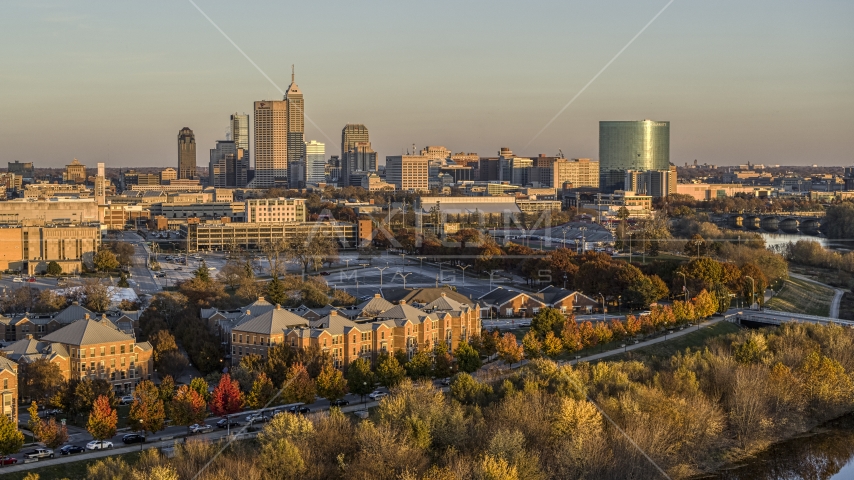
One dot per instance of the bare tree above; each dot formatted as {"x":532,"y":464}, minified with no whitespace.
{"x":276,"y":252}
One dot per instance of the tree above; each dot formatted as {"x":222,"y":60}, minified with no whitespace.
{"x":571,"y":335}
{"x":201,"y":387}
{"x":705,"y":304}
{"x":103,"y":419}
{"x":547,"y":320}
{"x":123,"y":281}
{"x":147,"y":412}
{"x":187,"y":407}
{"x":442,"y":361}
{"x":331,"y":384}
{"x":52,"y":434}
{"x":552,"y":345}
{"x":262,"y":392}
{"x":684,"y":312}
{"x":276,"y":293}
{"x":35,"y":423}
{"x":202,"y":273}
{"x":509,"y":349}
{"x":419,"y":367}
{"x":162,"y":341}
{"x":39,"y":379}
{"x":231,"y":273}
{"x":360,"y":379}
{"x":298,"y":387}
{"x":97,"y":297}
{"x":632,"y":325}
{"x":466,"y":390}
{"x":50,"y":301}
{"x":722,"y":297}
{"x":172,"y":363}
{"x":389,"y":371}
{"x":468,"y":359}
{"x":11,"y":440}
{"x":54,"y":269}
{"x":226,"y":398}
{"x":105,"y":260}
{"x":532,"y":345}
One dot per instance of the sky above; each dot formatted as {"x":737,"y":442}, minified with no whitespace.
{"x":104,"y":81}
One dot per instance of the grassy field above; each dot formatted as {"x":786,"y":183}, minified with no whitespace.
{"x":846,"y":306}
{"x":694,"y":340}
{"x":800,"y":296}
{"x":73,"y":470}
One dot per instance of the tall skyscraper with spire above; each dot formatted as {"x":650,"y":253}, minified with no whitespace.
{"x":279,"y":137}
{"x":296,"y":123}
{"x":186,"y":154}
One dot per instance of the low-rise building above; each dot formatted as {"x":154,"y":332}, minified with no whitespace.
{"x":275,"y":210}
{"x":31,"y":249}
{"x":209,"y":236}
{"x":9,"y":389}
{"x":44,"y":212}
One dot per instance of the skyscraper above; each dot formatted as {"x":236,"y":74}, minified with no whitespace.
{"x":631,"y":145}
{"x":296,"y":123}
{"x":226,"y":165}
{"x":186,"y":154}
{"x":271,"y":142}
{"x":409,"y":173}
{"x":239,"y":128}
{"x":101,"y":185}
{"x":315,"y":162}
{"x":352,"y":133}
{"x":356,"y":153}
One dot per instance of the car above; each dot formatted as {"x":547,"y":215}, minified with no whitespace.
{"x":71,"y":449}
{"x":257,"y":418}
{"x":324,"y":273}
{"x":200,"y":428}
{"x":446,"y":382}
{"x":53,"y":412}
{"x":376,"y":395}
{"x":339,"y":403}
{"x":126,"y":400}
{"x":299,"y":409}
{"x":18,"y":280}
{"x":31,"y":279}
{"x":39,"y":453}
{"x":226,"y":423}
{"x":99,"y":445}
{"x":133,"y":438}
{"x":7,"y":460}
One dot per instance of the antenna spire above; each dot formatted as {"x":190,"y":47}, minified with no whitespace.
{"x":292,"y":73}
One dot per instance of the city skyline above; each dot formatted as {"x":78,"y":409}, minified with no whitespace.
{"x":739,"y":83}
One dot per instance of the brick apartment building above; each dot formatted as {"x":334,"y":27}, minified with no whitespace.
{"x":9,"y":389}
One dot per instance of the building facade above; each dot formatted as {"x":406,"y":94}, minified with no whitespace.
{"x":275,"y":210}
{"x":575,"y":173}
{"x":9,"y":389}
{"x":408,"y":173}
{"x":228,"y":165}
{"x":31,"y":249}
{"x":655,"y":183}
{"x":216,"y":236}
{"x":75,"y":172}
{"x":271,"y":142}
{"x":296,"y":123}
{"x":315,"y":162}
{"x":631,"y":145}
{"x":186,"y":154}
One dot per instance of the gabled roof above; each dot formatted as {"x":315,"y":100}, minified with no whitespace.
{"x":500,"y":295}
{"x":372,"y":306}
{"x":552,"y":294}
{"x":87,"y":332}
{"x":258,"y":307}
{"x":272,"y":322}
{"x":446,"y":304}
{"x":403,"y":312}
{"x":334,"y":324}
{"x":73,"y":313}
{"x":6,"y":364}
{"x":423,"y":295}
{"x":31,"y":349}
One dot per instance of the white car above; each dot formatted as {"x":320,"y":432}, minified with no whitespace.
{"x":126,"y":400}
{"x":18,"y":280}
{"x":376,"y":395}
{"x":99,"y":445}
{"x":200,"y":428}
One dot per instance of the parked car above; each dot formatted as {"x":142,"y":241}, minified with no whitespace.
{"x":18,"y":280}
{"x":226,"y":423}
{"x":71,"y":449}
{"x":126,"y":400}
{"x":257,"y":418}
{"x":7,"y":460}
{"x":99,"y":445}
{"x":299,"y":409}
{"x":339,"y":403}
{"x":133,"y":438}
{"x":39,"y":453}
{"x":376,"y":395}
{"x":31,"y":279}
{"x":324,"y":273}
{"x":200,"y":428}
{"x":446,"y":381}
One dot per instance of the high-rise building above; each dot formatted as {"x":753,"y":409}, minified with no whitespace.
{"x":168,"y":174}
{"x":848,"y":178}
{"x":436,"y":153}
{"x":350,"y":135}
{"x":631,"y":145}
{"x":227,"y":169}
{"x":75,"y":172}
{"x":655,"y":183}
{"x":575,"y":173}
{"x":360,"y":158}
{"x":296,"y":123}
{"x":409,"y":173}
{"x":239,"y":129}
{"x":24,"y":169}
{"x":271,"y":142}
{"x":186,"y":154}
{"x":315,"y":162}
{"x":100,"y":185}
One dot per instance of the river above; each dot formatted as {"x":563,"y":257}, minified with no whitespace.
{"x":827,"y":454}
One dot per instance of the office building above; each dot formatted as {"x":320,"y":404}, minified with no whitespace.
{"x":296,"y":174}
{"x":239,"y":130}
{"x":209,"y":236}
{"x":186,"y":154}
{"x":296,"y":123}
{"x":43,"y":212}
{"x":271,"y":142}
{"x":631,"y":145}
{"x":31,"y":249}
{"x":75,"y":172}
{"x":351,"y":134}
{"x":436,"y":153}
{"x":315,"y":162}
{"x":23,"y":169}
{"x":359,"y":161}
{"x":575,"y":173}
{"x":408,"y":173}
{"x":168,"y":174}
{"x":275,"y":210}
{"x":848,"y":178}
{"x":655,"y":183}
{"x":228,"y":165}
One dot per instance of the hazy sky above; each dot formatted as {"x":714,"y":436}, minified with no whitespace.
{"x":114,"y":81}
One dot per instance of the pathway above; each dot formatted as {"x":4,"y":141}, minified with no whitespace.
{"x":837,"y":297}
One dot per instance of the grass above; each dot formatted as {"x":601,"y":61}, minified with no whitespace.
{"x":800,"y":296}
{"x":693,"y":340}
{"x":72,"y":470}
{"x":846,"y":306}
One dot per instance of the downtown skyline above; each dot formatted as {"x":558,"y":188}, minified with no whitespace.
{"x":759,"y":83}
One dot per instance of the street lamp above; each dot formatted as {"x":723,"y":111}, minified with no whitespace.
{"x":364,"y":406}
{"x":422,"y":261}
{"x":403,"y":256}
{"x":752,"y":291}
{"x":143,"y":434}
{"x":404,"y":275}
{"x":347,"y":261}
{"x":381,"y":269}
{"x":463,"y":268}
{"x":684,"y":285}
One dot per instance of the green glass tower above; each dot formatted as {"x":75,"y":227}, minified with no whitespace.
{"x":631,"y":145}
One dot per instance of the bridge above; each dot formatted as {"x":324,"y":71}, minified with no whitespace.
{"x":793,"y":222}
{"x":774,"y":317}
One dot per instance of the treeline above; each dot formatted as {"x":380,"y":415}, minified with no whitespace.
{"x":688,"y":413}
{"x":811,"y":253}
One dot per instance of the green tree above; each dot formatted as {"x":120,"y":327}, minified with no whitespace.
{"x":722,"y":297}
{"x":147,"y":412}
{"x":201,"y":387}
{"x":331,"y":384}
{"x":262,"y":392}
{"x":468,"y":359}
{"x":187,"y":407}
{"x":105,"y":260}
{"x":54,"y":269}
{"x":360,"y":379}
{"x":547,"y":320}
{"x":442,"y":361}
{"x":466,"y":390}
{"x":532,"y":345}
{"x":389,"y":371}
{"x":202,"y":273}
{"x":419,"y":367}
{"x":123,"y":281}
{"x":11,"y":440}
{"x":103,"y":419}
{"x":276,"y":293}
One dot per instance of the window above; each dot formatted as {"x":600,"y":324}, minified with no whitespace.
{"x":112,"y":350}
{"x":122,"y":349}
{"x":91,"y":352}
{"x":233,"y":337}
{"x":123,"y":361}
{"x":113,"y":363}
{"x":103,"y":351}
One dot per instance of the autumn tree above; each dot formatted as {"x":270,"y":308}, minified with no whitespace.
{"x":552,"y":345}
{"x":262,"y":392}
{"x":509,"y":350}
{"x":226,"y":398}
{"x":705,"y":304}
{"x":147,"y":412}
{"x":468,"y":359}
{"x":188,"y":407}
{"x":39,"y":379}
{"x":532,"y":345}
{"x":105,"y":260}
{"x":571,"y":335}
{"x":331,"y":384}
{"x":11,"y":439}
{"x":442,"y":361}
{"x":200,"y":385}
{"x":103,"y":419}
{"x":298,"y":386}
